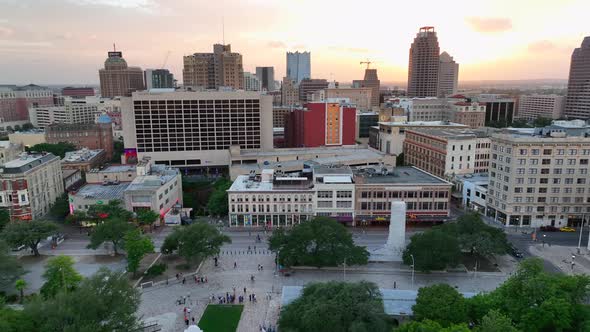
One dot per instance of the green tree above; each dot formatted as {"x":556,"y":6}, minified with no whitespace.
{"x":495,"y":321}
{"x":319,"y":242}
{"x":20,"y":285}
{"x":431,"y":326}
{"x":147,"y":217}
{"x":110,"y":230}
{"x":520,"y":123}
{"x":17,"y":128}
{"x":4,"y":218}
{"x":542,"y":122}
{"x":10,"y":268}
{"x":60,"y":275}
{"x":118,"y":149}
{"x":58,"y":149}
{"x":136,"y":246}
{"x":336,"y":306}
{"x":112,"y":209}
{"x":15,"y":321}
{"x":476,"y":237}
{"x":61,"y":207}
{"x":28,"y":126}
{"x":441,"y":303}
{"x":217,"y":204}
{"x":433,"y":250}
{"x":195,"y":242}
{"x":104,"y":302}
{"x":28,"y":233}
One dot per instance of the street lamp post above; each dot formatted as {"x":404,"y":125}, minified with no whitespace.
{"x":413,"y":266}
{"x":581,"y":230}
{"x":277,"y":263}
{"x":573,"y":263}
{"x":544,"y":236}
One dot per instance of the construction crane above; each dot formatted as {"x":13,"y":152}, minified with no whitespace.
{"x":165,"y":59}
{"x":368,"y":63}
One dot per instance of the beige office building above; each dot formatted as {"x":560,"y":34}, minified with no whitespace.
{"x":471,"y":114}
{"x":539,"y":179}
{"x":117,"y":79}
{"x":222,"y":68}
{"x":531,"y":107}
{"x":371,"y":80}
{"x":448,"y":75}
{"x":423,"y":64}
{"x":361,"y":97}
{"x":289,"y":92}
{"x":196,"y":129}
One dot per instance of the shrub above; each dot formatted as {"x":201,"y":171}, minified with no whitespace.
{"x":156,"y":270}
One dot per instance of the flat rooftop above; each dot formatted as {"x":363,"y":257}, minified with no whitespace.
{"x":160,"y":176}
{"x":287,"y":183}
{"x":346,"y":149}
{"x":423,"y":124}
{"x":477,"y":178}
{"x":458,"y":133}
{"x":397,"y":175}
{"x":82,"y":155}
{"x":115,"y":169}
{"x":396,"y":302}
{"x":99,"y":191}
{"x":26,"y":162}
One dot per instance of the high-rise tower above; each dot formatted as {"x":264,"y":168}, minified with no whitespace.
{"x":424,"y":64}
{"x":117,"y":79}
{"x":577,"y":101}
{"x":212,"y":70}
{"x":298,"y":66}
{"x":371,"y":80}
{"x":448,"y":75}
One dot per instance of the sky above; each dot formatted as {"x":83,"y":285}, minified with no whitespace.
{"x":66,"y":41}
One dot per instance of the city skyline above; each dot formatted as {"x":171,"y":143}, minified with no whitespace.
{"x":69,"y":40}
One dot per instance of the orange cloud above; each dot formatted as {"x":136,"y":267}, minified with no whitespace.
{"x":489,"y":24}
{"x":541,"y":46}
{"x":276,"y":44}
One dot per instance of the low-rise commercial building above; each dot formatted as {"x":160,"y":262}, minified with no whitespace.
{"x":84,"y":159}
{"x":156,"y":187}
{"x":334,"y":192}
{"x":73,"y":110}
{"x":30,"y":185}
{"x":28,"y":138}
{"x":83,"y":135}
{"x":72,"y":179}
{"x":427,"y":197}
{"x":389,"y":136}
{"x":474,"y":190}
{"x":271,"y":199}
{"x":360,"y":97}
{"x":447,"y":152}
{"x":9,"y":151}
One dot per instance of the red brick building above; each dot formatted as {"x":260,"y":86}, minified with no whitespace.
{"x":93,"y":136}
{"x":77,"y":92}
{"x":320,"y":124}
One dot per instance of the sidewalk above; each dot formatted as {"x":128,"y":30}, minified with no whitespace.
{"x":561,"y":257}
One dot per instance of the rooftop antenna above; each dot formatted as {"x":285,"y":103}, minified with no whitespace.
{"x":114,"y":48}
{"x":223,"y":30}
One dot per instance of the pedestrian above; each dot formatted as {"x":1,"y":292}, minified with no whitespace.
{"x":202,"y":280}
{"x":248,"y":248}
{"x":235,"y":265}
{"x":254,"y":248}
{"x":193,"y":319}
{"x":177,"y":276}
{"x":183,"y":280}
{"x":250,"y":297}
{"x":205,"y":279}
{"x":261,"y":268}
{"x":244,"y":290}
{"x":186,"y":320}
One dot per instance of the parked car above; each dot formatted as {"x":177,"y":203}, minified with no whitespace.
{"x":567,"y":229}
{"x":515,"y":252}
{"x":549,"y":229}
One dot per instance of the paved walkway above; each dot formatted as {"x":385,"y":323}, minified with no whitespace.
{"x":561,"y":257}
{"x":160,"y":301}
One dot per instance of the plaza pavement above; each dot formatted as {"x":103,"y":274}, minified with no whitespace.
{"x":159,"y":301}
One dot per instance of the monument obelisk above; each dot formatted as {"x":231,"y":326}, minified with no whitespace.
{"x":396,"y":239}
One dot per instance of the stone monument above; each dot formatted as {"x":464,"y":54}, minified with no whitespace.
{"x":396,"y":240}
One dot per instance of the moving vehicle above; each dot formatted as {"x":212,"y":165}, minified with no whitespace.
{"x":567,"y":229}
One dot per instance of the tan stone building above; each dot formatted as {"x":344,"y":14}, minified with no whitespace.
{"x":30,"y":185}
{"x":423,"y":65}
{"x":371,"y":80}
{"x":361,"y":97}
{"x":222,"y":68}
{"x":539,"y":179}
{"x":117,"y":79}
{"x":289,"y":92}
{"x":469,"y":114}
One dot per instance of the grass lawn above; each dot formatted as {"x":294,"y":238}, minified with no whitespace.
{"x":221,"y":318}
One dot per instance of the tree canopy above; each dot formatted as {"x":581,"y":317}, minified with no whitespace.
{"x":432,"y":250}
{"x":441,"y":303}
{"x":195,"y":242}
{"x":104,"y":302}
{"x":530,"y":300}
{"x":61,"y":207}
{"x":58,"y":149}
{"x":336,"y":306}
{"x":4,"y":218}
{"x":542,"y":122}
{"x":60,"y":275}
{"x":319,"y":242}
{"x":28,"y":233}
{"x":10,"y":268}
{"x":146,"y":217}
{"x":136,"y":246}
{"x":112,"y":230}
{"x":441,"y":246}
{"x":217,"y":204}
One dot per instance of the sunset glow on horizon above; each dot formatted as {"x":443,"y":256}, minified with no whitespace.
{"x":66,"y":41}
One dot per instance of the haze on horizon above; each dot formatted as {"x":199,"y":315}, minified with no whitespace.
{"x":66,"y":41}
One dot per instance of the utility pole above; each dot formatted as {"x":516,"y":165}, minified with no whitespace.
{"x":413,"y":267}
{"x":581,"y":230}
